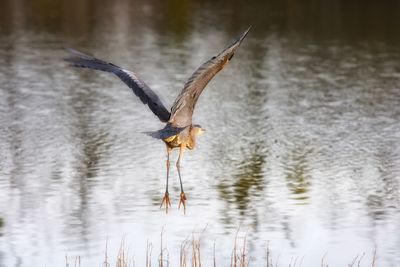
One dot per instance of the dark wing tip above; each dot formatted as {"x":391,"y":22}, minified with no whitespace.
{"x":237,"y":42}
{"x":75,"y":56}
{"x":242,"y":36}
{"x":76,"y":53}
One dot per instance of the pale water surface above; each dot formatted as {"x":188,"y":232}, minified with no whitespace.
{"x":301,"y":150}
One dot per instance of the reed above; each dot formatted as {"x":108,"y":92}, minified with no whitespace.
{"x":190,"y":255}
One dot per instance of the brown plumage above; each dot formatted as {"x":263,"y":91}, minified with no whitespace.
{"x":179,"y":132}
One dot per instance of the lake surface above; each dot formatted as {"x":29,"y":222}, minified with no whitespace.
{"x":301,"y":152}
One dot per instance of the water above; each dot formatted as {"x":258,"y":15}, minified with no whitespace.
{"x":301,"y":150}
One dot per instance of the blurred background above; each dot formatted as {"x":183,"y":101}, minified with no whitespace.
{"x":301,"y":150}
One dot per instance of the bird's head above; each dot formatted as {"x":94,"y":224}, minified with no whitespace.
{"x":197,"y":130}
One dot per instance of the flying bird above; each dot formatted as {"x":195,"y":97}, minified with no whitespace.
{"x":179,"y":131}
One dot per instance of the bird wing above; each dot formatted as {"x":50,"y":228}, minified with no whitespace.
{"x":139,"y":87}
{"x":182,"y":109}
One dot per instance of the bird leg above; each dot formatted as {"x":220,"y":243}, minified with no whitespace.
{"x":178,"y":166}
{"x":166,"y":195}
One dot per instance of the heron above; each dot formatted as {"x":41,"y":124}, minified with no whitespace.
{"x":179,"y":131}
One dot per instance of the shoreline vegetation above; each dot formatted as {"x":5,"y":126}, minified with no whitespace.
{"x":190,"y":256}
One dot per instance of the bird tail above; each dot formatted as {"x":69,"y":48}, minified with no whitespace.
{"x":154,"y":134}
{"x":166,"y":132}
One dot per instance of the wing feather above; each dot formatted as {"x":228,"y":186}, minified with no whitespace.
{"x":139,"y":87}
{"x":182,"y":109}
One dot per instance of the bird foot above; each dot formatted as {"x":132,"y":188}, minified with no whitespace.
{"x":182,"y":201}
{"x":166,"y":201}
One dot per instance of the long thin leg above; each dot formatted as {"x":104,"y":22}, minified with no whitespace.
{"x":166,"y":195}
{"x":178,"y":166}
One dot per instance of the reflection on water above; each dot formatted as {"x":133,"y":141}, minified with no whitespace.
{"x":302,"y":134}
{"x":248,"y":178}
{"x":247,"y":181}
{"x":1,"y":226}
{"x":297,"y":175}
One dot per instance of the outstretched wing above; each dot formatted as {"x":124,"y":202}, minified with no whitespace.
{"x":139,"y":88}
{"x":182,"y":109}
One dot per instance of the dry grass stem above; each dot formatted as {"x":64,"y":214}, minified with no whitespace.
{"x":239,"y":255}
{"x":149,"y":249}
{"x":373,"y":258}
{"x":214,"y":260}
{"x":121,"y":258}
{"x":106,"y":263}
{"x":183,"y":254}
{"x":161,"y":258}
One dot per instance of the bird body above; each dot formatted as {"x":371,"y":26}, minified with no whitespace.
{"x":181,"y":139}
{"x":175,"y":137}
{"x":186,"y":138}
{"x":179,"y":131}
